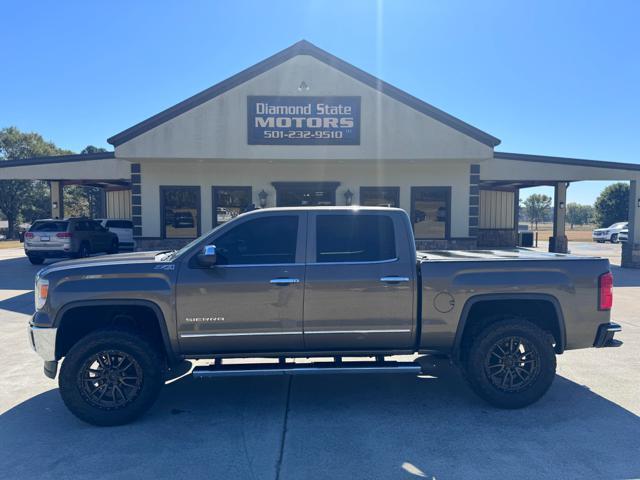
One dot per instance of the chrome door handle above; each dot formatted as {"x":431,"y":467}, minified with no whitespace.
{"x":394,"y":279}
{"x":284,"y":281}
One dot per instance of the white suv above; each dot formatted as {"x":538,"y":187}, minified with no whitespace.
{"x":609,"y":234}
{"x":123,"y":228}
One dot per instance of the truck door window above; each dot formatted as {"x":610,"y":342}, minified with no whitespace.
{"x":267,"y":240}
{"x":354,"y":238}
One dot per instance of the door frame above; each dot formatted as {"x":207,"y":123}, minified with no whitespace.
{"x":332,"y":186}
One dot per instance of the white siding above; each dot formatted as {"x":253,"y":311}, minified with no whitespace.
{"x":119,"y":204}
{"x":496,"y":209}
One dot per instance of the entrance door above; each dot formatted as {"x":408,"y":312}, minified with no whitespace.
{"x":305,"y":194}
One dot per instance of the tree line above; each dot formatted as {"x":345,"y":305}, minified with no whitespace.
{"x":24,"y":201}
{"x":611,"y":206}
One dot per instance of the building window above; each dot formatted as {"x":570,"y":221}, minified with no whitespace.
{"x":180,"y":211}
{"x":380,"y":196}
{"x":305,"y":194}
{"x":229,"y":202}
{"x":268,"y":240}
{"x":431,"y":212}
{"x":354,"y":238}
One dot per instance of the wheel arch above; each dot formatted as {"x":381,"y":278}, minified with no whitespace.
{"x":511,"y":300}
{"x":113,"y":305}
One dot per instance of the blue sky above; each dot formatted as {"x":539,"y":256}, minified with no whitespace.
{"x":546,"y":77}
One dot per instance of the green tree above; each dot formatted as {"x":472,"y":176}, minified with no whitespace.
{"x":22,"y":196}
{"x":537,"y":207}
{"x":578,"y":214}
{"x":612,"y":205}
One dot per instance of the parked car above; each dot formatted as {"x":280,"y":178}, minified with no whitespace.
{"x":241,"y":290}
{"x":123,"y":228}
{"x":609,"y":234}
{"x":2,"y":237}
{"x":71,"y":237}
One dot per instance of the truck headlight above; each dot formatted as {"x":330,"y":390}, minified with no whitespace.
{"x":41,"y":292}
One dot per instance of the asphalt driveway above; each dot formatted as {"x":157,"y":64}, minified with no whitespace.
{"x":372,"y":426}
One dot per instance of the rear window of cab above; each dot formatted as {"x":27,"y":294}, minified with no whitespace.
{"x":49,"y":227}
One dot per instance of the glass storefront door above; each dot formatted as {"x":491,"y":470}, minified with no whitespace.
{"x":305,"y":194}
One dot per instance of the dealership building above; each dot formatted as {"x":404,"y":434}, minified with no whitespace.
{"x":304,"y":127}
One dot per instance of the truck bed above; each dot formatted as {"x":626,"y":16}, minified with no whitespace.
{"x":510,"y":254}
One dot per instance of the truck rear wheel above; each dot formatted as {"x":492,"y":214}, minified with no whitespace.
{"x":511,"y":363}
{"x":111,"y":377}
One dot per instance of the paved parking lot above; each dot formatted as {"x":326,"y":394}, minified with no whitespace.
{"x":365,"y":427}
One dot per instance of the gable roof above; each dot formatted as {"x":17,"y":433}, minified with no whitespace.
{"x":24,"y":162}
{"x":303,"y":48}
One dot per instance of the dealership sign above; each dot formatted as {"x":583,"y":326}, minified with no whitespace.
{"x":303,"y":120}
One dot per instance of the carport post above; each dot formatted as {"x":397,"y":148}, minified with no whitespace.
{"x":56,"y":190}
{"x":631,"y":248}
{"x":558,"y":243}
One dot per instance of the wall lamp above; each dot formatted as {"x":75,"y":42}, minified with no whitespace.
{"x":263,"y":198}
{"x":54,"y":205}
{"x":561,"y":205}
{"x":348,"y":198}
{"x":639,"y":203}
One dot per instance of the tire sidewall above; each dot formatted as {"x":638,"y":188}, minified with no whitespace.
{"x":481,"y":384}
{"x":147,"y":357}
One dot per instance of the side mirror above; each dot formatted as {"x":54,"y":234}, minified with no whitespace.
{"x":208,"y":256}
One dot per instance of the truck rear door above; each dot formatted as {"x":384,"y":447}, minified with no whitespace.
{"x":360,"y":281}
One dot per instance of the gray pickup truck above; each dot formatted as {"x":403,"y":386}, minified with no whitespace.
{"x":292,"y":283}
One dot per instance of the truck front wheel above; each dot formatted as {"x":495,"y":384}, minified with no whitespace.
{"x":111,"y":377}
{"x":511,"y":363}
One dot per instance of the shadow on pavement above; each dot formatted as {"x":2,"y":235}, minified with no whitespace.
{"x":22,"y":303}
{"x":368,"y":426}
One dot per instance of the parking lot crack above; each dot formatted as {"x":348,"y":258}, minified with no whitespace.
{"x":284,"y":429}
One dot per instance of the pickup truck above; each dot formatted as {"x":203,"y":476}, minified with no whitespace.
{"x":293,"y":283}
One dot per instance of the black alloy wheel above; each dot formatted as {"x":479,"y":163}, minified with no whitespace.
{"x":512,"y":364}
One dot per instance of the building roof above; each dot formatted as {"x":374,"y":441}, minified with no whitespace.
{"x":566,"y":161}
{"x":24,"y":162}
{"x":303,"y":48}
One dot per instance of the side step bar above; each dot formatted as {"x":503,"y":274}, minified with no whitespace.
{"x":317,"y":368}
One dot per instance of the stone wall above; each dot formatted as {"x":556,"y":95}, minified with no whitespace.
{"x":497,"y":238}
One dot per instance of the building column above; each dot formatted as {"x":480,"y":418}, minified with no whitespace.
{"x":55,"y":194}
{"x":558,"y":243}
{"x":631,"y":248}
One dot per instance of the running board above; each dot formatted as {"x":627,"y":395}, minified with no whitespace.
{"x":317,"y":368}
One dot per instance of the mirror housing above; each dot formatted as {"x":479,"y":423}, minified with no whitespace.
{"x":208,"y":256}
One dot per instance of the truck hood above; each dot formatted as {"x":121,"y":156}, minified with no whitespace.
{"x":103,"y":260}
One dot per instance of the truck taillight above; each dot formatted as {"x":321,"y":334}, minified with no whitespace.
{"x":28,"y":235}
{"x":605,"y":291}
{"x":63,"y":235}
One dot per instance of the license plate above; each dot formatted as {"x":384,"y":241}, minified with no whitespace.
{"x":44,"y":239}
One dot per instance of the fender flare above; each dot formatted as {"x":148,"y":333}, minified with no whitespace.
{"x":464,"y":316}
{"x":171,"y":355}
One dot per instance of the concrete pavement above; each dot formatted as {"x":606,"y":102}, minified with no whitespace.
{"x":372,"y":426}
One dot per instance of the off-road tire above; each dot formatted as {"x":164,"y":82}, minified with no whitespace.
{"x":614,"y":238}
{"x":148,"y":359}
{"x":478,"y":373}
{"x":35,"y":260}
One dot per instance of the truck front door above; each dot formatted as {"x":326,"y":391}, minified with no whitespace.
{"x":251,"y":300}
{"x":360,"y":281}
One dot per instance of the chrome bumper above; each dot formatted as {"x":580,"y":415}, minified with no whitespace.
{"x":43,"y":341}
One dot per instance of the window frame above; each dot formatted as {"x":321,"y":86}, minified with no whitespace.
{"x":398,"y":228}
{"x":330,"y":186}
{"x":447,"y":227}
{"x":163,"y":230}
{"x":214,"y":203}
{"x":368,"y":189}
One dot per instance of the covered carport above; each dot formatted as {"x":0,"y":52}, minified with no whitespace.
{"x":102,"y":170}
{"x":509,"y":172}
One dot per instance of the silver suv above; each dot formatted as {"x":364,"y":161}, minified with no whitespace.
{"x":71,"y":237}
